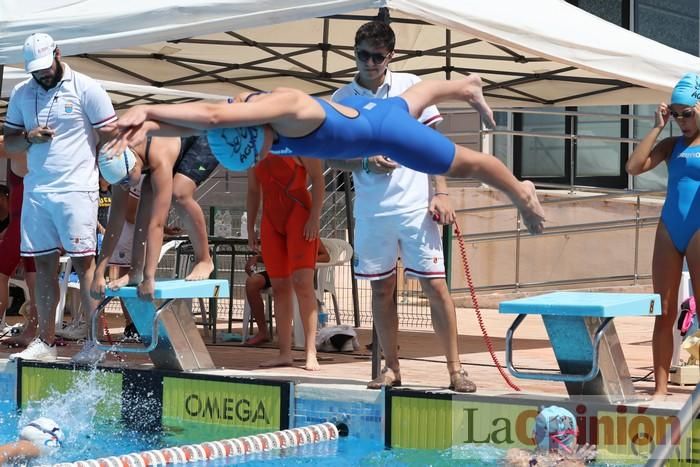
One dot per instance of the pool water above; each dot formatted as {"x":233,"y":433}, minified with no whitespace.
{"x":106,"y":438}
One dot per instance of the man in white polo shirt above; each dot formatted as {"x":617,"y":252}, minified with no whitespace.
{"x":58,"y":116}
{"x":394,"y":210}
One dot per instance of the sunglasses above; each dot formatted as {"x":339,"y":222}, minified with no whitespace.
{"x":377,"y":58}
{"x":687,"y":113}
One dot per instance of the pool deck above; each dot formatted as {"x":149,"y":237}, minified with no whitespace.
{"x":422,"y":364}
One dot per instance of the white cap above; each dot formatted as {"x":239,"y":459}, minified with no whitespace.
{"x":44,"y":433}
{"x":38,"y":52}
{"x":115,"y":168}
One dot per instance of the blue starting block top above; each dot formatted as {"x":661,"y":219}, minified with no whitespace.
{"x":600,"y":305}
{"x":178,"y":288}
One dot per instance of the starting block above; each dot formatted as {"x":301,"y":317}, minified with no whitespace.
{"x":166,"y":325}
{"x":583,"y":336}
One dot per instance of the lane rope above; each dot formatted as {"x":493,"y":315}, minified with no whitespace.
{"x":226,"y":448}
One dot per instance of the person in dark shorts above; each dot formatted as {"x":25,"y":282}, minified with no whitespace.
{"x":173,"y":168}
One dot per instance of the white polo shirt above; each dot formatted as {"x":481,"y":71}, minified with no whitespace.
{"x":73,"y":108}
{"x":402,"y":190}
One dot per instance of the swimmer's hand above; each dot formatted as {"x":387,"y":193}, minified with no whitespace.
{"x":663,"y":115}
{"x":134,"y":117}
{"x":98,"y":287}
{"x":584,"y":453}
{"x":381,"y":165}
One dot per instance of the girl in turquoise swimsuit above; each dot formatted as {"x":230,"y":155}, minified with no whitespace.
{"x":676,"y":234}
{"x":292,"y":122}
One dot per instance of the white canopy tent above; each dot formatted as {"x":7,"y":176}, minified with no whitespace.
{"x":543,"y":52}
{"x":122,"y":94}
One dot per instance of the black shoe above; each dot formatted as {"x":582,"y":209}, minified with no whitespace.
{"x":131,"y":334}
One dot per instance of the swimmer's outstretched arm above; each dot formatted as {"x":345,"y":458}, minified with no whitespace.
{"x":208,"y":115}
{"x":113,"y":230}
{"x":21,"y":449}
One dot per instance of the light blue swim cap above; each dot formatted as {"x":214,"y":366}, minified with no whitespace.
{"x":237,"y":149}
{"x":687,"y":90}
{"x":555,"y":429}
{"x":115,"y":168}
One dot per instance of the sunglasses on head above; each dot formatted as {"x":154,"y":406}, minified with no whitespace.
{"x":363,"y":56}
{"x":687,"y":113}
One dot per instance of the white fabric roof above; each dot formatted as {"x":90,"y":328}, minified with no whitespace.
{"x":540,"y":52}
{"x":120,"y":92}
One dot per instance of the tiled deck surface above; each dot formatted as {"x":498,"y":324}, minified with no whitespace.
{"x":422,"y":361}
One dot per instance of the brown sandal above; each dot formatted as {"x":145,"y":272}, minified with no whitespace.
{"x":460,"y":383}
{"x":384,"y":380}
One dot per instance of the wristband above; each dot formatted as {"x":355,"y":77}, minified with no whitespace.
{"x":365,"y":165}
{"x":26,"y":138}
{"x":441,"y":193}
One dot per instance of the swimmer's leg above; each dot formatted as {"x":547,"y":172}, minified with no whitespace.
{"x":468,"y":163}
{"x":430,"y":92}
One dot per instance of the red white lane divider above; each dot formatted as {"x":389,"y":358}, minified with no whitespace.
{"x":217,"y":449}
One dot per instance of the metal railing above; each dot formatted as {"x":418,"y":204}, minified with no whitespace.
{"x":519,"y":235}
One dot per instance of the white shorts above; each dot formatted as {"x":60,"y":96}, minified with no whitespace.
{"x":414,"y":236}
{"x":55,"y":221}
{"x":121,"y":256}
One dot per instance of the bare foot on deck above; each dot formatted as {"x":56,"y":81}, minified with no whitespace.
{"x":259,"y":338}
{"x":475,"y":98}
{"x":531,"y":209}
{"x":282,"y":360}
{"x":312,"y":363}
{"x":200,"y":271}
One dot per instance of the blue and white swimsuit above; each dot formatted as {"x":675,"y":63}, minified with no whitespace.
{"x":681,"y":211}
{"x":382,"y":126}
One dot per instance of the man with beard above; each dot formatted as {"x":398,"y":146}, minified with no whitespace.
{"x":57,"y":116}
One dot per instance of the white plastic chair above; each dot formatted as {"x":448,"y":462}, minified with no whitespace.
{"x":340,"y":252}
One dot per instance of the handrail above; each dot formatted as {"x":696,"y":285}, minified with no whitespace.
{"x":685,"y":416}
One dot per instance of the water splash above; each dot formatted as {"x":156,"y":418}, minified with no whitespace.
{"x":89,"y":413}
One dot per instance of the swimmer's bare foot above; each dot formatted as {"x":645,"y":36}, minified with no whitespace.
{"x":530,"y":208}
{"x":202,"y":270}
{"x":259,"y":338}
{"x":282,"y":360}
{"x":475,"y":98}
{"x":311,"y":363}
{"x":386,"y":378}
{"x":126,"y":279}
